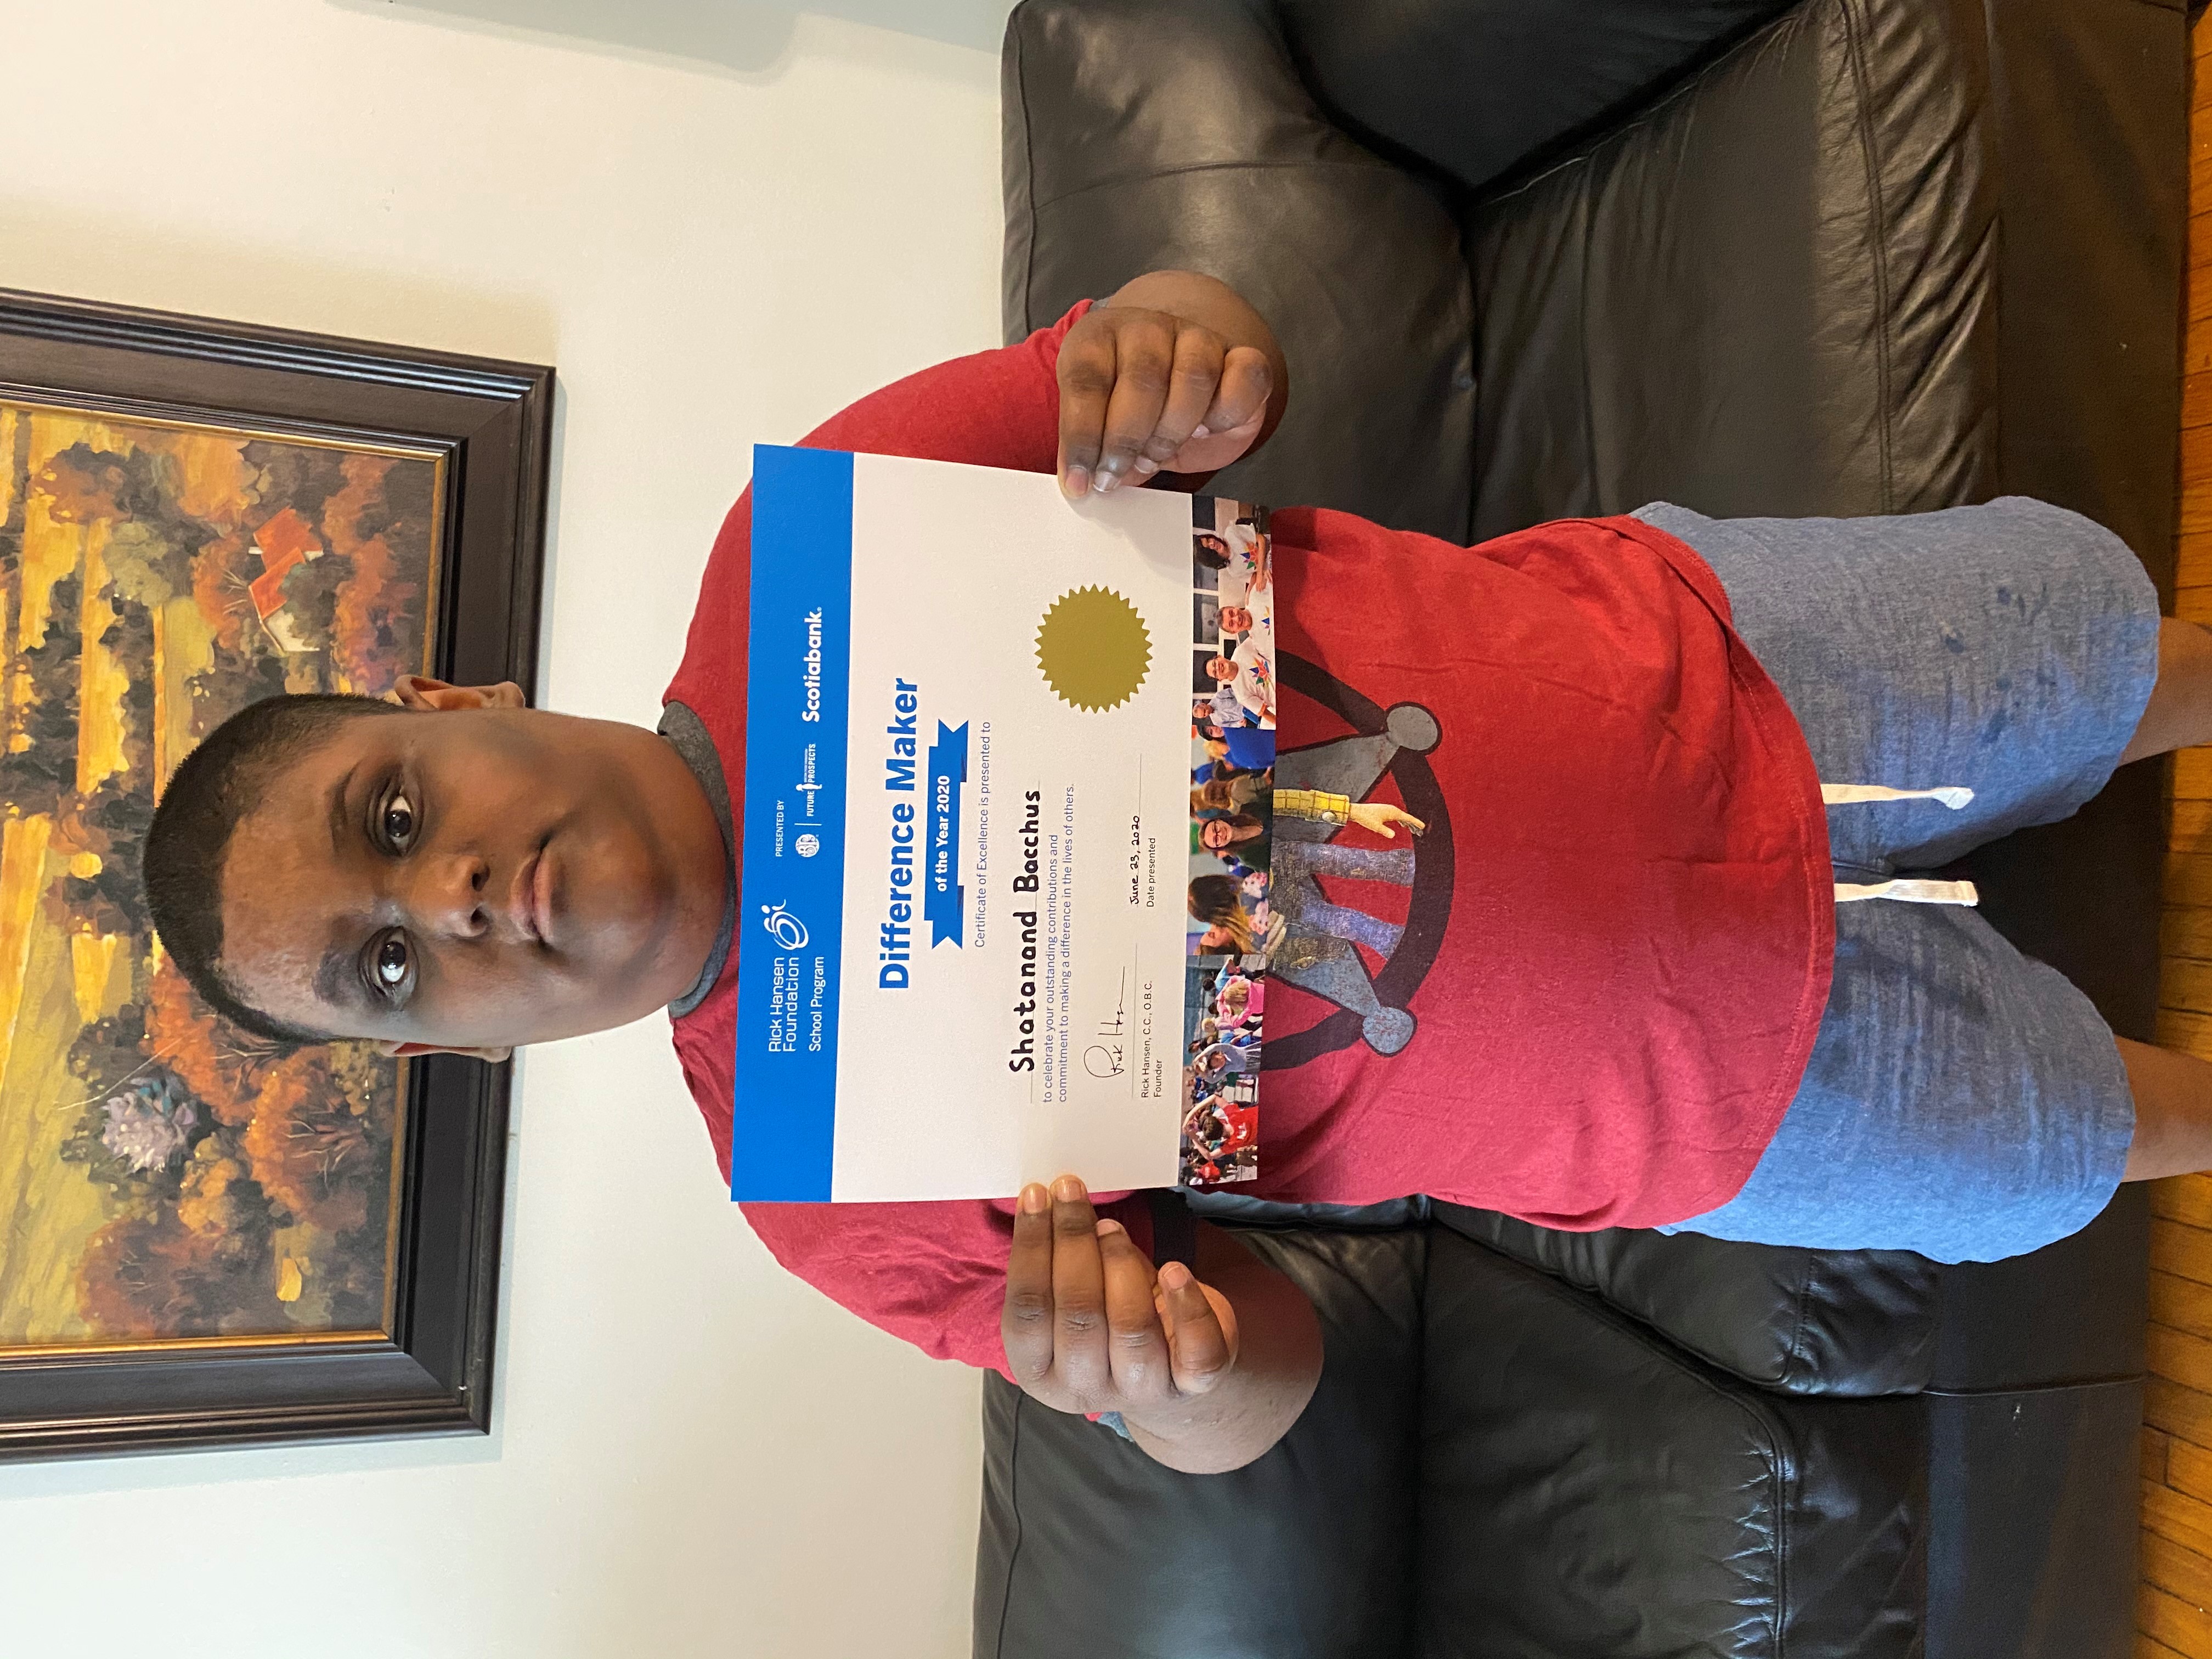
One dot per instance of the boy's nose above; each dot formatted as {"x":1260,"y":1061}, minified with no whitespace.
{"x":449,"y":895}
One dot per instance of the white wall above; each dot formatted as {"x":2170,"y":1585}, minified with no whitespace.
{"x":720,"y":222}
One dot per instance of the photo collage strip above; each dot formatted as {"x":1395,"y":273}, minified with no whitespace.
{"x":1232,"y":757}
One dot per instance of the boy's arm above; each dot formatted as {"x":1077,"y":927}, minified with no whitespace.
{"x":1174,"y":377}
{"x":1207,"y":1375}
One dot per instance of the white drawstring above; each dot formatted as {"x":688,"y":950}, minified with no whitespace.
{"x":1908,"y":890}
{"x":1842,"y":794}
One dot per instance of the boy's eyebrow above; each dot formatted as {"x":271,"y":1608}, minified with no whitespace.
{"x":338,"y":793}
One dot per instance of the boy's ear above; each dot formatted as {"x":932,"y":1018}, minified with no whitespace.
{"x":420,"y":691}
{"x":416,"y":1050}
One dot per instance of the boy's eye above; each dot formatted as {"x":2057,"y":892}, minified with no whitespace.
{"x":398,"y":823}
{"x":391,"y":963}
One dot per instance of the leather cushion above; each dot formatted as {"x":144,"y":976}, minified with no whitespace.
{"x":1590,"y":1493}
{"x":1851,"y":1323}
{"x":1856,"y":1324}
{"x":1478,"y":87}
{"x":1231,"y":1207}
{"x":1774,"y":293}
{"x":1090,"y":1550}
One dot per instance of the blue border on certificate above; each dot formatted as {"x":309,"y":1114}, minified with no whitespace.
{"x":791,"y":921}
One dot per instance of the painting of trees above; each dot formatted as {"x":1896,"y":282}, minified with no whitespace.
{"x":194,"y":1180}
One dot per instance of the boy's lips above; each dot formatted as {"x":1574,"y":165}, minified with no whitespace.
{"x":530,"y":904}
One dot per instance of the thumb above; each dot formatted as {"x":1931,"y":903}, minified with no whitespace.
{"x":1202,"y":1330}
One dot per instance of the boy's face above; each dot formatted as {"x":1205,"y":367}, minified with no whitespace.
{"x":1235,"y":619}
{"x":475,"y":877}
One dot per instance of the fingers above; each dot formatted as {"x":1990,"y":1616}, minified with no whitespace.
{"x":1144,"y":367}
{"x":1212,"y":444}
{"x":1087,"y":1322}
{"x":1200,"y":1354}
{"x":1025,"y":1321}
{"x":1240,"y":397}
{"x":1138,"y":1347}
{"x":1140,"y":389}
{"x":1079,"y":1354}
{"x":1193,"y":388}
{"x":1086,"y":382}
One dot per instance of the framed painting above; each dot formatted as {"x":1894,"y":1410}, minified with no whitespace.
{"x":204,"y":1238}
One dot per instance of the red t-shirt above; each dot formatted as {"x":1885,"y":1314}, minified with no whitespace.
{"x":1590,"y":1000}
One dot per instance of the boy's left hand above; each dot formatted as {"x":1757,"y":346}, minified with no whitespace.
{"x":1145,"y":391}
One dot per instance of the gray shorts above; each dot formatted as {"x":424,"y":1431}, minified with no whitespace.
{"x":1961,"y":1101}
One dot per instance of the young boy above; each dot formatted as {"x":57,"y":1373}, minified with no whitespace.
{"x":1617,"y":982}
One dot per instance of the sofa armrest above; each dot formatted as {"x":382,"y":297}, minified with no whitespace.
{"x":1090,"y":1550}
{"x":1144,"y":135}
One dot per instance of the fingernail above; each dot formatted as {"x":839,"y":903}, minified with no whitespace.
{"x":1104,"y":481}
{"x":1174,"y":1276}
{"x":1107,"y":1229}
{"x":1078,"y":480}
{"x":1033,"y":1199}
{"x":1067,"y":1189}
{"x":1201,"y":430}
{"x":1146,"y":465}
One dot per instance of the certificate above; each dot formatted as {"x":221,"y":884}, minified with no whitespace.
{"x":1006,"y":804}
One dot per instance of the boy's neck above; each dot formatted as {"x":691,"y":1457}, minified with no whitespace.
{"x":702,"y":764}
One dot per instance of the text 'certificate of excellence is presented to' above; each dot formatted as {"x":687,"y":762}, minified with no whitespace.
{"x":1007,"y":789}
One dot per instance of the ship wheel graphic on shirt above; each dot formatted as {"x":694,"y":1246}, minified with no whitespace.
{"x":1319,"y":952}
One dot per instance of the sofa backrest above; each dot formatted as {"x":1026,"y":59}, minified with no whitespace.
{"x":1481,"y":89}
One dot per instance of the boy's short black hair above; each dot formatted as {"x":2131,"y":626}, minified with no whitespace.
{"x":209,"y":793}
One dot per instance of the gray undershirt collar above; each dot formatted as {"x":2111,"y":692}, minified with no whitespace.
{"x":687,"y":734}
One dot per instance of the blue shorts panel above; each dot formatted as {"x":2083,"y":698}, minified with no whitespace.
{"x":2009,"y":648}
{"x":1961,"y":1101}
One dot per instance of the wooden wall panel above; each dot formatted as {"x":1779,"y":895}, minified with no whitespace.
{"x":2173,"y":1615}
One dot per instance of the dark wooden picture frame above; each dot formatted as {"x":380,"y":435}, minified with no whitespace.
{"x":490,"y":422}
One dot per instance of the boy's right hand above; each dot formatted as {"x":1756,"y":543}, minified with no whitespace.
{"x":1088,"y":1325}
{"x":1175,"y":373}
{"x":1207,"y":1376}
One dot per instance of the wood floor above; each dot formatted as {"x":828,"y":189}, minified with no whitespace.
{"x":2175,"y":1606}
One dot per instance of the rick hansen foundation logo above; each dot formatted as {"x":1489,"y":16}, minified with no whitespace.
{"x":788,"y":930}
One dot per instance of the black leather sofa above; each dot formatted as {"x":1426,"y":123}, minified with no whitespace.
{"x":1540,"y":257}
